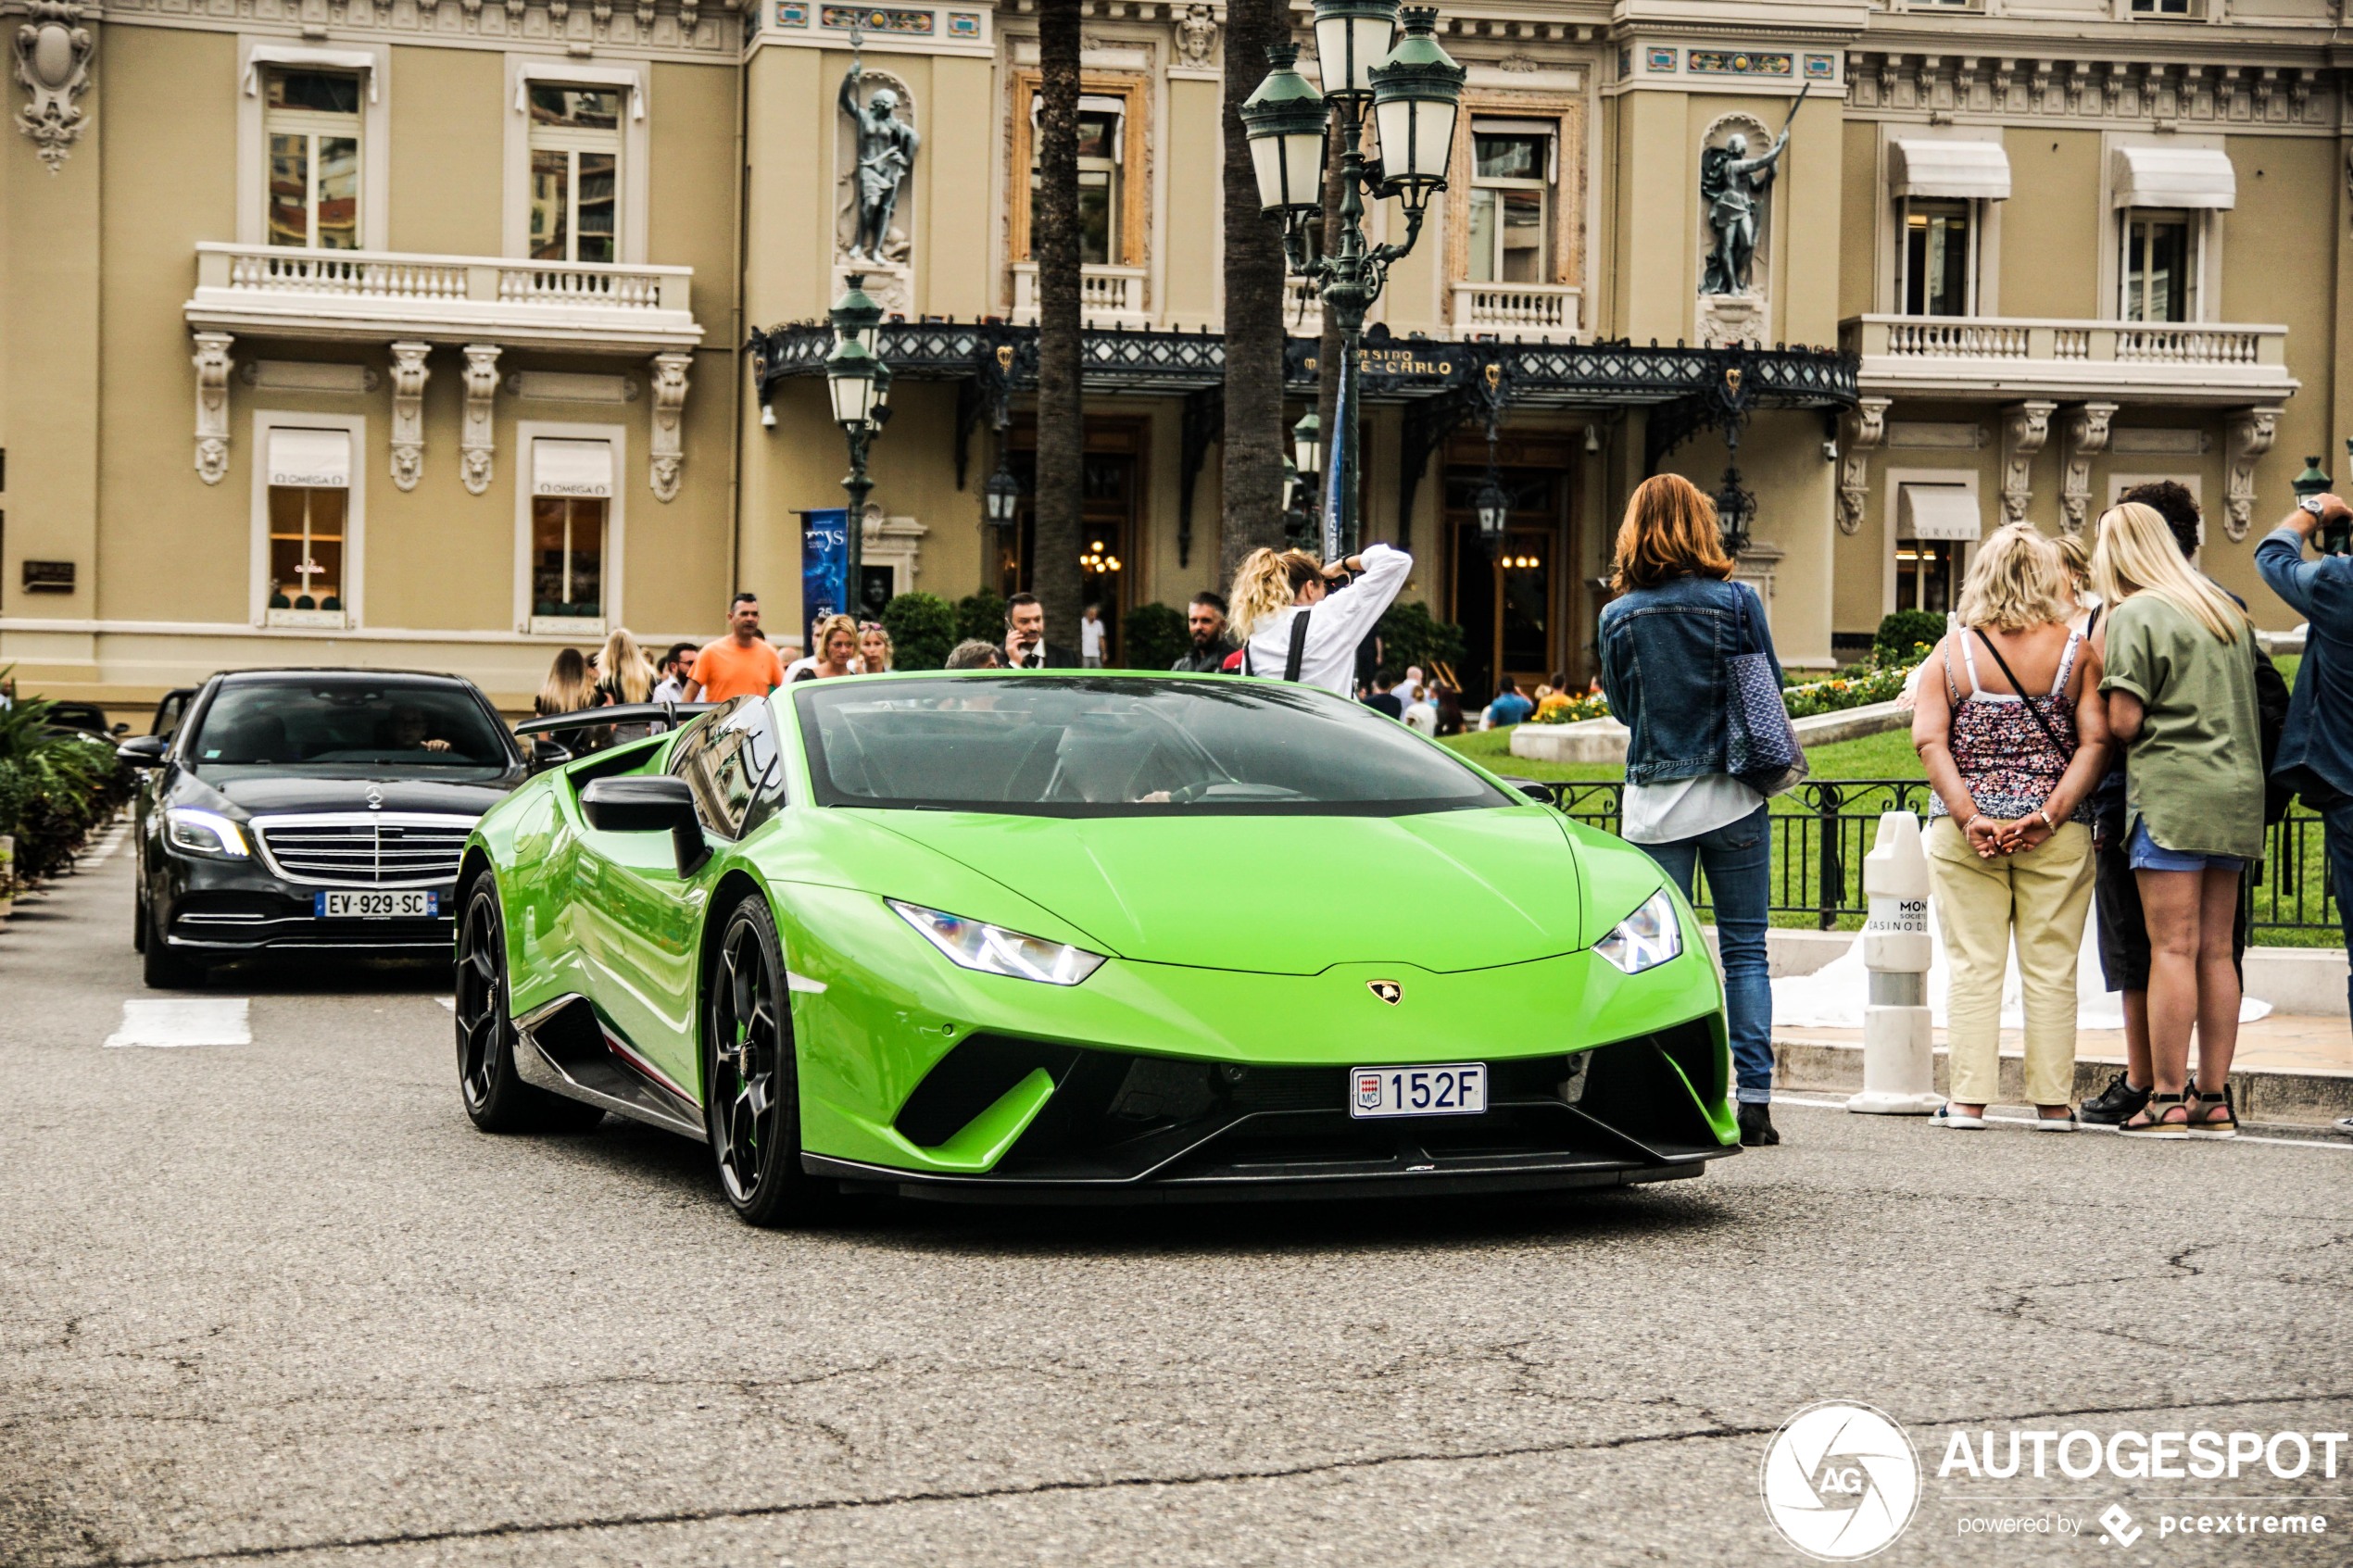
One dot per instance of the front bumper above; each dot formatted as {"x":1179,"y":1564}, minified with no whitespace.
{"x":232,"y":910}
{"x":1113,"y":1127}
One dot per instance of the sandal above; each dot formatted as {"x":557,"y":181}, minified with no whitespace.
{"x":2213,"y":1118}
{"x":2152,"y":1121}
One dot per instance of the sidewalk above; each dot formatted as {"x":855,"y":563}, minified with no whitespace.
{"x":2289,"y":1069}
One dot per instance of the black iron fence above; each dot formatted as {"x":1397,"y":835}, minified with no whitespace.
{"x":1824,"y":827}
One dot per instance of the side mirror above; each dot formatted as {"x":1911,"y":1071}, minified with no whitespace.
{"x":1540,"y":793}
{"x":650,"y":805}
{"x":119,"y":730}
{"x":547,"y":754}
{"x":145,"y":752}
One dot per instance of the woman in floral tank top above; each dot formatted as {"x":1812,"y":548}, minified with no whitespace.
{"x":2013,"y":733}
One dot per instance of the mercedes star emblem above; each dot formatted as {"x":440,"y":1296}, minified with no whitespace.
{"x":1387,"y":990}
{"x":375,"y":799}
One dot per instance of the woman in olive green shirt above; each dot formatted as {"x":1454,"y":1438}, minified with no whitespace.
{"x":2179,"y":683}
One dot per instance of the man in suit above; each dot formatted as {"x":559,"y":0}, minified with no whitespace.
{"x":1025,"y":644}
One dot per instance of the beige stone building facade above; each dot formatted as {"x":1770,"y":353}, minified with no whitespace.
{"x":445,"y":335}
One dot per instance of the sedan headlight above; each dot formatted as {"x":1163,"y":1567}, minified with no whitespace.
{"x":203,"y":832}
{"x":1646,"y":938}
{"x":992,"y":950}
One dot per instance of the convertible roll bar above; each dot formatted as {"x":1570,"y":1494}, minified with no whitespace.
{"x":662,"y":715}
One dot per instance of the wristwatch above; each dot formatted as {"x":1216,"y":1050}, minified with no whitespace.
{"x":2311,"y":503}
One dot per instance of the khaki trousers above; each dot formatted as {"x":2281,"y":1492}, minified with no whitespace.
{"x":2040,"y":895}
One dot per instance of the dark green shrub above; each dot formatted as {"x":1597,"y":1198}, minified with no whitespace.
{"x":981,"y":617}
{"x":1410,"y":634}
{"x":1154,"y":637}
{"x":922,"y":628}
{"x":1902,"y":631}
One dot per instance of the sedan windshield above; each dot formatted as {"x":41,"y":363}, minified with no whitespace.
{"x":325,"y":724}
{"x":1119,"y":746}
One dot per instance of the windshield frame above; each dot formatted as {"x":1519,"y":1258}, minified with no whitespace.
{"x":1483,"y":795}
{"x":198,"y":710}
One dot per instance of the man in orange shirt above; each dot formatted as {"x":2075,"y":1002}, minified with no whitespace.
{"x":740,"y":664}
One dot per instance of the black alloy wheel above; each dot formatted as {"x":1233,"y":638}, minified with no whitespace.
{"x":752,"y":1100}
{"x":495,"y":1094}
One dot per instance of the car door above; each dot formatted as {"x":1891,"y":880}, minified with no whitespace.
{"x":639,"y":918}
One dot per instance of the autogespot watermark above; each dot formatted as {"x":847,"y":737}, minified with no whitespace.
{"x":1842,"y":1482}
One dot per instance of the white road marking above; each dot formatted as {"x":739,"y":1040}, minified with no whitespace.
{"x":183,"y":1021}
{"x":2340,"y":1145}
{"x":109,"y":844}
{"x":449,"y":1002}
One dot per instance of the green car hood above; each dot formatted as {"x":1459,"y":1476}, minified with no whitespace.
{"x":1448,"y":891}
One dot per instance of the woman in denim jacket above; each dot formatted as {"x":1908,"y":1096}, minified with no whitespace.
{"x":1666,"y":641}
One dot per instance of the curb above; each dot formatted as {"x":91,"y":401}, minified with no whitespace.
{"x":2302,"y":1101}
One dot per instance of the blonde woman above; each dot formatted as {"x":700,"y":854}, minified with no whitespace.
{"x":624,"y":673}
{"x":569,"y":689}
{"x":2014,"y":736}
{"x":1274,"y":590}
{"x":874,"y":649}
{"x":2180,"y":701}
{"x":837,"y":643}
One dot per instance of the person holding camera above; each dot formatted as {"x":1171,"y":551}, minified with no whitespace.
{"x":1300,"y":620}
{"x":2316,"y":746}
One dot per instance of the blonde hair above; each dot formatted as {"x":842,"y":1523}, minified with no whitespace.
{"x":1267,"y":583}
{"x":2017,"y":580}
{"x":2137,"y":555}
{"x":568,"y":688}
{"x":825,"y":633}
{"x":625,"y":665}
{"x":1669,"y":532}
{"x":2076,"y":557}
{"x":890,"y":649}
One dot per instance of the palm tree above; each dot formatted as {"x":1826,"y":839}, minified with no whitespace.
{"x":1062,"y":436}
{"x":1255,"y":434}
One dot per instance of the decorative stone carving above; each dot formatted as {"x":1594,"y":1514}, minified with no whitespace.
{"x":409,"y":375}
{"x":53,"y":63}
{"x":2086,"y":436}
{"x":477,"y":437}
{"x":883,"y":144}
{"x":1196,"y":36}
{"x":211,"y":360}
{"x":1737,"y":185}
{"x":2025,"y":426}
{"x":670,"y":406}
{"x":2251,"y":433}
{"x":1863,"y":429}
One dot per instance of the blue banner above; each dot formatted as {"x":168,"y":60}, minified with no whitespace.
{"x":824,"y":567}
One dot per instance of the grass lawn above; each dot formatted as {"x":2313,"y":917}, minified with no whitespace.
{"x":1888,"y":756}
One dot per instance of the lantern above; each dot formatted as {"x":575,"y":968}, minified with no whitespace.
{"x":1416,"y":94}
{"x":1284,"y":119}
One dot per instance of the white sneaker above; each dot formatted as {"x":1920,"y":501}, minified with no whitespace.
{"x":2055,"y":1123}
{"x":1947,"y":1117}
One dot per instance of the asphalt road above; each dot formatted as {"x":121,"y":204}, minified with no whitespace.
{"x":279,"y":1301}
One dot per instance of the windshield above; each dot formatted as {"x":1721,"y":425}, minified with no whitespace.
{"x":1119,"y":746}
{"x":323,"y":724}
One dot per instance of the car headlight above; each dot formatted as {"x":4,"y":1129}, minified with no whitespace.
{"x":203,"y":832}
{"x":1646,"y":938}
{"x":992,"y":950}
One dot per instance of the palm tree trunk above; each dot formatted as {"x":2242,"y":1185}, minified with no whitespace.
{"x":1254,"y":435}
{"x":1061,"y":435}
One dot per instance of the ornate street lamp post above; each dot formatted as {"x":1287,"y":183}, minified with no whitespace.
{"x":857,"y":382}
{"x":1413,"y":89}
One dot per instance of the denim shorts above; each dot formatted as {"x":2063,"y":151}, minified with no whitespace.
{"x":2144,"y":854}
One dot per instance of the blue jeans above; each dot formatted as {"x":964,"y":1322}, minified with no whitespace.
{"x":1739,"y":863}
{"x":2337,"y":824}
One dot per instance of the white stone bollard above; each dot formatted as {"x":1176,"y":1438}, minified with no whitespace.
{"x":1899,"y":1059}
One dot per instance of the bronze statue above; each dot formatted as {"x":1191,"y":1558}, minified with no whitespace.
{"x":1734,"y":185}
{"x":886,"y":155}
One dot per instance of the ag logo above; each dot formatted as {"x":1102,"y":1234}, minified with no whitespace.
{"x":1387,"y":990}
{"x":1841,"y":1481}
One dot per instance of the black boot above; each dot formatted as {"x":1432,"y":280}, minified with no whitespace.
{"x":1756,"y":1125}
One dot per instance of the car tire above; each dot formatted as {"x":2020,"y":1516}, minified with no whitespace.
{"x":139,"y":917}
{"x":162,"y":969}
{"x":495,"y":1098}
{"x":751,"y":1079}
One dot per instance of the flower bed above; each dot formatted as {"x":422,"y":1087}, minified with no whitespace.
{"x":56,"y":786}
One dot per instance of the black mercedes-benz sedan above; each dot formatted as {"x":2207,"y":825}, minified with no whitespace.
{"x":307,"y":810}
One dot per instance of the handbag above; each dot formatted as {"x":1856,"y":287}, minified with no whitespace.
{"x":1760,"y":744}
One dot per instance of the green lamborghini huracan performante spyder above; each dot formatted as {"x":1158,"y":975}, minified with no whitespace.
{"x":1082,"y":937}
